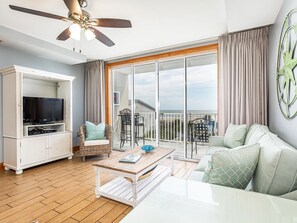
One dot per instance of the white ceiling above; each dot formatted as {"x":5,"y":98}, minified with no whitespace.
{"x":155,"y":25}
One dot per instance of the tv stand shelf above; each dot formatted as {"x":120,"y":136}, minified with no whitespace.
{"x":30,"y":130}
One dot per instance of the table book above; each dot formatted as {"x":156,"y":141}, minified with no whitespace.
{"x":131,"y":158}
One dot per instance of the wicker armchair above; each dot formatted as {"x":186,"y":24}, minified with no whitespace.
{"x":90,"y":150}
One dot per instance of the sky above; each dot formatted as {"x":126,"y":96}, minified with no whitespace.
{"x":201,"y":84}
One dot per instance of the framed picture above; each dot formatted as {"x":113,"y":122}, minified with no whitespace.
{"x":116,"y":98}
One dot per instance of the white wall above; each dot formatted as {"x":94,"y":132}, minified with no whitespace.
{"x":9,"y":56}
{"x":284,"y":128}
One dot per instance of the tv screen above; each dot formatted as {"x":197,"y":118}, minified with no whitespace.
{"x":42,"y":110}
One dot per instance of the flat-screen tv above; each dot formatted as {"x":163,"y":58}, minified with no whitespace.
{"x":42,"y":110}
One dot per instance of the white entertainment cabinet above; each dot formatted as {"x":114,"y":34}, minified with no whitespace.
{"x":21,"y":150}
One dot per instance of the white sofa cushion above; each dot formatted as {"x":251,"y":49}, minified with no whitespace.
{"x":196,"y":176}
{"x":96,"y":142}
{"x":203,"y":163}
{"x":213,"y":149}
{"x":292,"y":195}
{"x":276,"y":173}
{"x":255,"y":133}
{"x":216,"y":141}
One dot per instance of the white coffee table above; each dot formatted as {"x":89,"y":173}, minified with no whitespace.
{"x":133,"y":191}
{"x":176,"y":200}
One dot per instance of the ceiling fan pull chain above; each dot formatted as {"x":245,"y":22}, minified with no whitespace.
{"x":80,"y":46}
{"x":80,"y":41}
{"x":73,"y":46}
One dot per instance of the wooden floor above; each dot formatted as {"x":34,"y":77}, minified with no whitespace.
{"x":62,"y":191}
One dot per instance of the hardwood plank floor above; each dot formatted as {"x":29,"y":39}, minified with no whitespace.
{"x":63,"y":191}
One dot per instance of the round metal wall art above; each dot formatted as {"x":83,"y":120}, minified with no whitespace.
{"x":286,"y":67}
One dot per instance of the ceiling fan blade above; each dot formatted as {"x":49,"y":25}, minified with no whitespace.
{"x":101,"y":37}
{"x":73,"y":6}
{"x":35,"y":12}
{"x":113,"y":23}
{"x":64,"y":35}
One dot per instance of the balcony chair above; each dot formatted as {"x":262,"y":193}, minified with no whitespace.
{"x":200,"y":130}
{"x":126,"y":129}
{"x":94,"y":147}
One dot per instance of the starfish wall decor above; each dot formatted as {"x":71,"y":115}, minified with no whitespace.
{"x":286,"y":67}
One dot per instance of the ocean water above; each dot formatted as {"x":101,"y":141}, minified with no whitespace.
{"x":201,"y":112}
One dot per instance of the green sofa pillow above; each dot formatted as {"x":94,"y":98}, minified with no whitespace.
{"x":235,"y":135}
{"x":255,"y":133}
{"x":233,"y":168}
{"x":95,"y":132}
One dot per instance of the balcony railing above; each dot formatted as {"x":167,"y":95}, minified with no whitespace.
{"x":172,"y":125}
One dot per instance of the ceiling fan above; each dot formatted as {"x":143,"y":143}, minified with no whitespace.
{"x":81,"y":20}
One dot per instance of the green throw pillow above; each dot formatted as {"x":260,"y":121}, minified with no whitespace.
{"x":235,"y":135}
{"x":95,"y":132}
{"x":233,"y":168}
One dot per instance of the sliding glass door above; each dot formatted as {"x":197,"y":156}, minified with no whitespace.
{"x":201,"y":103}
{"x":169,"y":103}
{"x":121,"y":108}
{"x":145,"y":104}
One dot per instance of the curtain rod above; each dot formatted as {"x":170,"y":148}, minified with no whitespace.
{"x":246,"y":30}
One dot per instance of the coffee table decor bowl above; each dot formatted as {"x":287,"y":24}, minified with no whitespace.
{"x":147,"y":148}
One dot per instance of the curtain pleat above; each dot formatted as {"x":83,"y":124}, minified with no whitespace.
{"x":243,"y":78}
{"x":95,"y":92}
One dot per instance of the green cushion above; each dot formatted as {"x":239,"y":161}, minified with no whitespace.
{"x":233,"y":168}
{"x":276,"y":173}
{"x":235,"y":135}
{"x":255,"y":133}
{"x":95,"y":132}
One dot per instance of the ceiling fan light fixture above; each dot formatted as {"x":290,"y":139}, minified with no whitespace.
{"x":83,"y":3}
{"x":81,"y":20}
{"x":75,"y":30}
{"x":89,"y":34}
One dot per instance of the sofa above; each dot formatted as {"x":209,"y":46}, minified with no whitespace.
{"x":276,"y":172}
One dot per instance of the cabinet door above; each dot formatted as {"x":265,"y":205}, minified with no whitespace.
{"x":33,"y":150}
{"x":12,"y":109}
{"x":59,"y":145}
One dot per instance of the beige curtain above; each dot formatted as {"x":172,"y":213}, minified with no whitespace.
{"x":243,"y":59}
{"x":95,"y":92}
